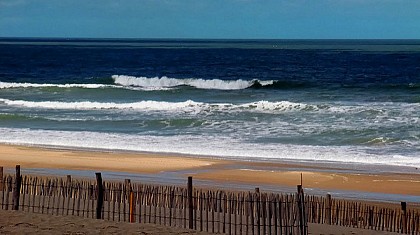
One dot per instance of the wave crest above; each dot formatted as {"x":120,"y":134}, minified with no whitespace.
{"x":88,"y":105}
{"x":165,"y":82}
{"x":185,"y":106}
{"x":8,"y":85}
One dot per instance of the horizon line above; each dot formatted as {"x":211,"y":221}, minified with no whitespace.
{"x":212,"y":39}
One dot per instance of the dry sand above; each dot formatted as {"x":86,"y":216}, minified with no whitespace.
{"x":18,"y":222}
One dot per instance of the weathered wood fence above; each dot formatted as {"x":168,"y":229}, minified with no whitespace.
{"x":367,"y":215}
{"x":214,"y":211}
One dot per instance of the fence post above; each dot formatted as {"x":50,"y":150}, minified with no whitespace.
{"x":127,"y":183}
{"x":16,"y":189}
{"x":68,"y":186}
{"x":126,"y":198}
{"x":130,"y":196}
{"x":100,"y":198}
{"x":190,"y":203}
{"x":1,"y":179}
{"x":258,"y":210}
{"x":132,"y":219}
{"x":370,"y":219}
{"x":68,"y":178}
{"x":301,"y":213}
{"x":328,"y":209}
{"x":404,"y":217}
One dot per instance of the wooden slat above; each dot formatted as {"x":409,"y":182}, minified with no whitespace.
{"x":214,"y":211}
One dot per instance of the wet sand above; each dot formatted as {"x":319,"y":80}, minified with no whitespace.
{"x":213,"y":170}
{"x":36,"y":157}
{"x":408,"y":184}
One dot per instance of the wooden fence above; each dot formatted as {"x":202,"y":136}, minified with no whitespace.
{"x":366,"y":215}
{"x":214,"y":211}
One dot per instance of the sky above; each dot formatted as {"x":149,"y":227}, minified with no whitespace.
{"x":218,"y":19}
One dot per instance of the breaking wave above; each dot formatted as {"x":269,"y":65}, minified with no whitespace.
{"x":8,"y":85}
{"x":213,"y":84}
{"x":165,"y":82}
{"x":186,"y":106}
{"x":204,"y":145}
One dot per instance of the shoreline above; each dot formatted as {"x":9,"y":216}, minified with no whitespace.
{"x":325,"y":177}
{"x":328,"y":165}
{"x":83,"y":159}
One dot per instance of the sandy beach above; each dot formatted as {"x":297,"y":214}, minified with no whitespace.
{"x":375,"y":183}
{"x":213,"y":170}
{"x":18,"y":222}
{"x":208,"y":169}
{"x":34,"y":157}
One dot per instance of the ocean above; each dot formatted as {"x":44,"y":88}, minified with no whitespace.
{"x":332,"y":101}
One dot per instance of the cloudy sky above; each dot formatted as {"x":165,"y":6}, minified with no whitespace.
{"x":240,"y":19}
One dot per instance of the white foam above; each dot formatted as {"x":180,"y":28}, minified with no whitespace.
{"x":277,"y":106}
{"x":88,"y":105}
{"x":206,"y":145}
{"x":8,"y":85}
{"x":379,"y":140}
{"x":185,"y":106}
{"x":148,"y":84}
{"x":165,"y":82}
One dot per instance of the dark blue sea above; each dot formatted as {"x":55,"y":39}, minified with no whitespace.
{"x":344,"y":101}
